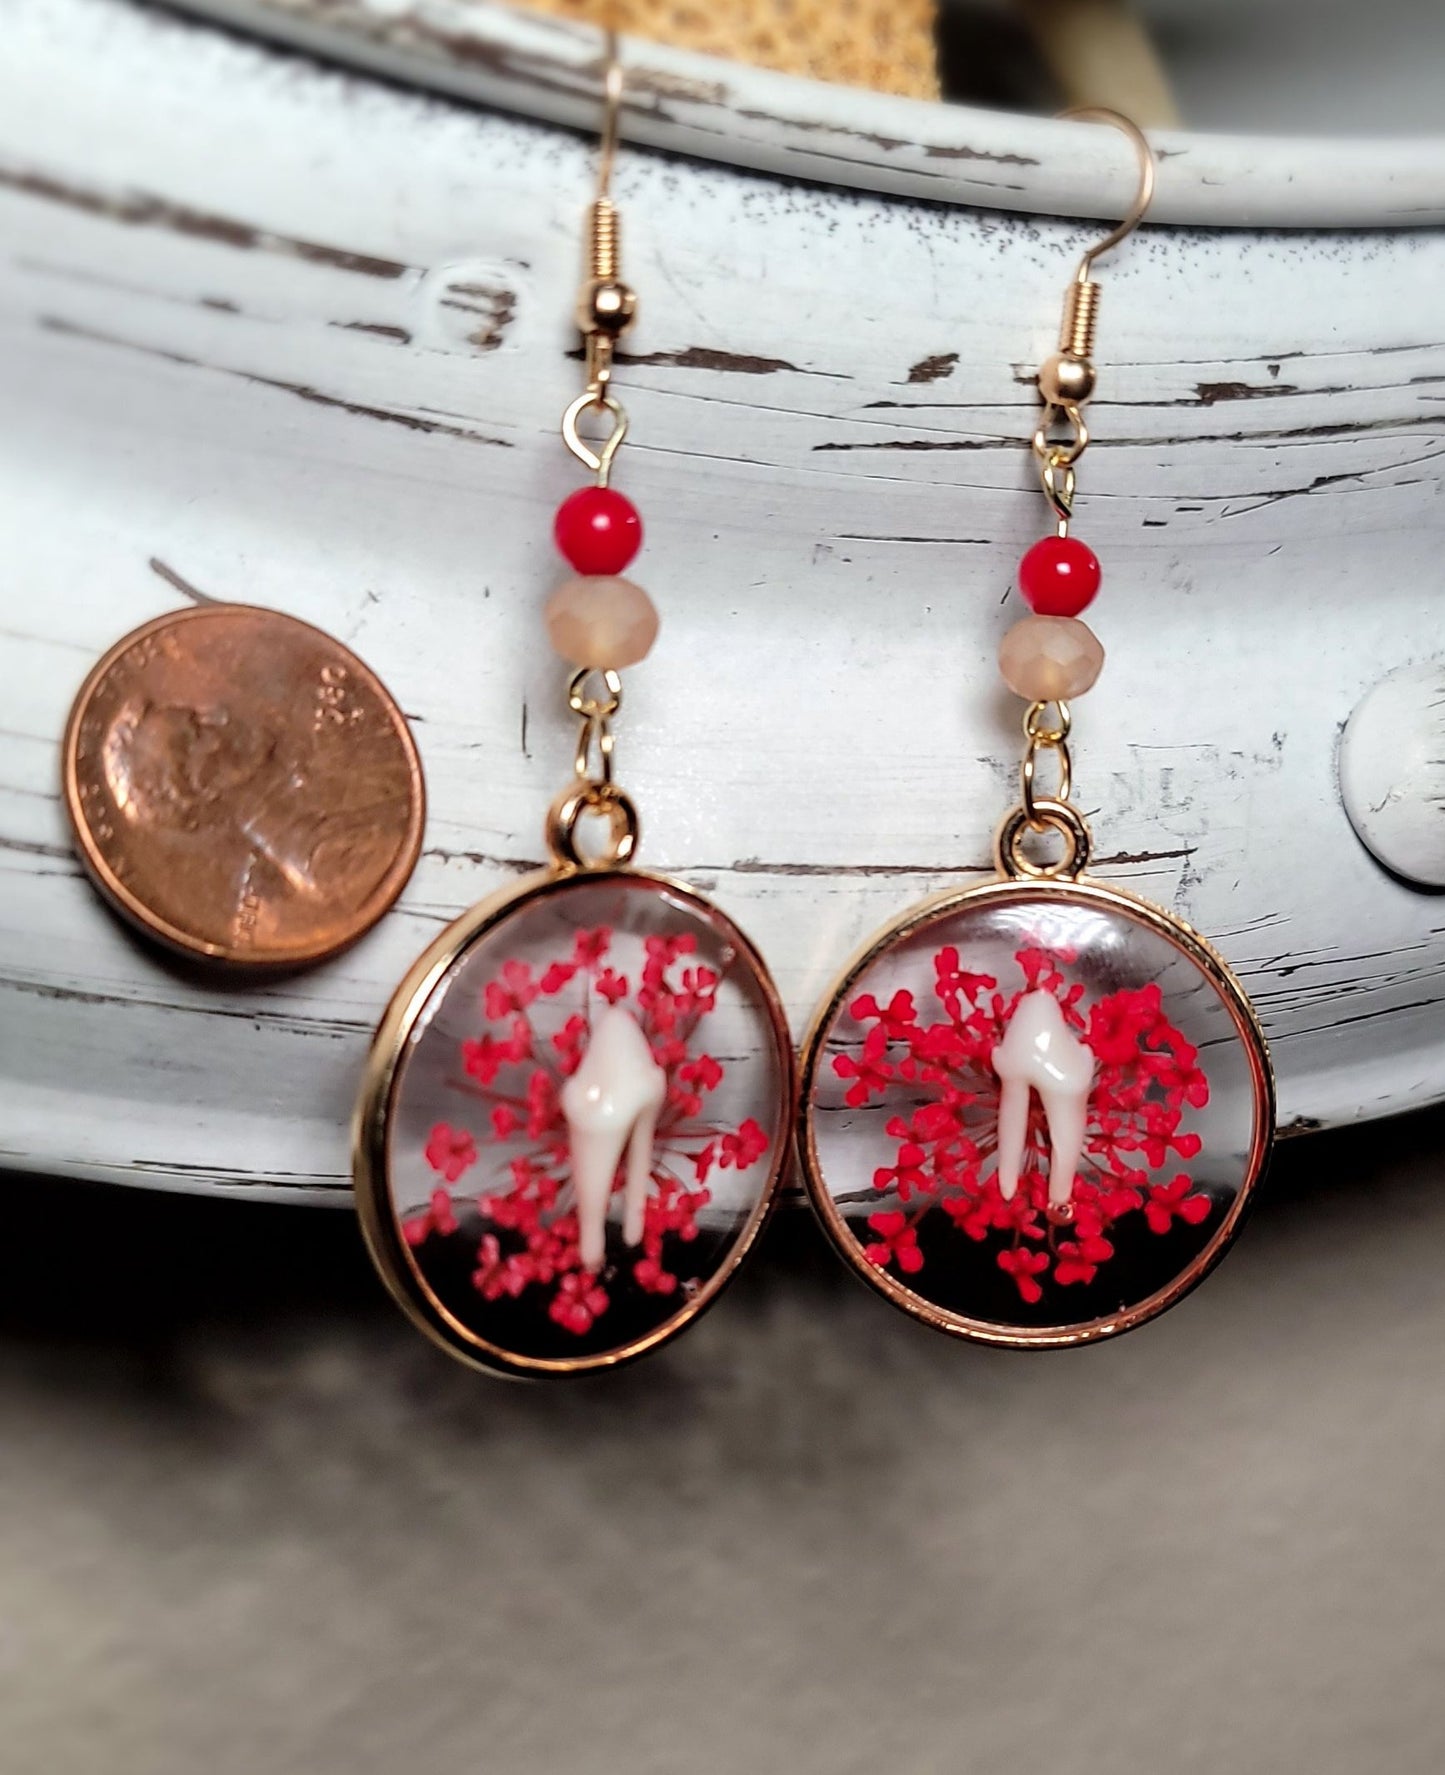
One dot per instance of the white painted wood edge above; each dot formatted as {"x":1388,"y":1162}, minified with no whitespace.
{"x":743,"y":116}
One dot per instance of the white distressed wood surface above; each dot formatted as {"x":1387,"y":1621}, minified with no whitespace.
{"x":693,"y":104}
{"x":296,"y":336}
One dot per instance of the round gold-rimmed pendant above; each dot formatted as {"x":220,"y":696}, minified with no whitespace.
{"x":573,"y":1122}
{"x":1034,"y":1112}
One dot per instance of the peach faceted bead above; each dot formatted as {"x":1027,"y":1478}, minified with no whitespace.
{"x":1049,"y":659}
{"x":601,"y":621}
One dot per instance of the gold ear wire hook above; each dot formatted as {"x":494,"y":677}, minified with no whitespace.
{"x":611,"y":116}
{"x":1143,"y":196}
{"x":1066,"y":380}
{"x":606,"y":306}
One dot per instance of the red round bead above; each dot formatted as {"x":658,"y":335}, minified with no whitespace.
{"x":1059,"y":576}
{"x":598,"y":530}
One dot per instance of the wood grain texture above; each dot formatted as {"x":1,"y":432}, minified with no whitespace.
{"x":279,"y":333}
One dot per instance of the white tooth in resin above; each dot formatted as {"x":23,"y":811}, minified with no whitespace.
{"x":611,"y":1104}
{"x":1038,"y":1053}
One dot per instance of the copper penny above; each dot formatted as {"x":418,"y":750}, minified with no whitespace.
{"x":242,"y":786}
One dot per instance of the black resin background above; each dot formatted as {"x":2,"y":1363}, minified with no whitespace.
{"x":523,"y":1326}
{"x":962,"y":1274}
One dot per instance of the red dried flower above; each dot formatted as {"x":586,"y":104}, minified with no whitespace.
{"x":1147,"y":1078}
{"x":513,"y":992}
{"x":531,"y":1236}
{"x":744,"y":1148}
{"x":870,"y":1072}
{"x":652,"y":1277}
{"x":450,"y":1150}
{"x":906,"y":1176}
{"x":590,"y":946}
{"x":437,"y":1217}
{"x":1170,"y":1200}
{"x":1079,"y":1259}
{"x":578,"y":1302}
{"x":897,"y":1016}
{"x":704,"y":1073}
{"x":897,"y":1242}
{"x":1025,"y":1267}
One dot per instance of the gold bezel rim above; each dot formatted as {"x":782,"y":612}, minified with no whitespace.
{"x":156,"y":925}
{"x":381,"y":1081}
{"x":1081,"y":890}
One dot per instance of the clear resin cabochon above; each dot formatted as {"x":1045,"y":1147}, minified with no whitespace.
{"x":575,"y":1118}
{"x":1035,"y":1114}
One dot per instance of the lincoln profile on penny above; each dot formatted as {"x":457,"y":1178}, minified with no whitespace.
{"x":611,"y":1103}
{"x":1039,"y":1054}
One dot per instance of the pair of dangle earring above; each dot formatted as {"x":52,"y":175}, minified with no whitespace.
{"x":578,"y":1104}
{"x":1034,"y":1111}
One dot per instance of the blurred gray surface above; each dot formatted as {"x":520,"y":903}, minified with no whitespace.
{"x":1304,"y":67}
{"x":249,"y":1523}
{"x":1266,"y":67}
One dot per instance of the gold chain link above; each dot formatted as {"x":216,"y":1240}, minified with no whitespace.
{"x":1059,"y":817}
{"x":1043,"y":813}
{"x":594,"y":733}
{"x":1041,"y":740}
{"x":597,"y":459}
{"x":592,"y":790}
{"x":1056,"y":459}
